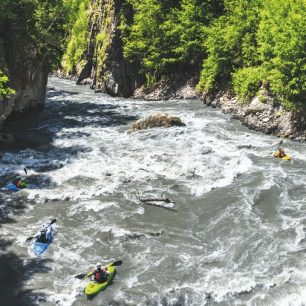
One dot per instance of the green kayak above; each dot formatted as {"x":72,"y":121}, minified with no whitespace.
{"x":94,"y":288}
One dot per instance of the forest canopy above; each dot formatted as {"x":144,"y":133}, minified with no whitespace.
{"x":238,"y":45}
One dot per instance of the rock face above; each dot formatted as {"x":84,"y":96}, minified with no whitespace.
{"x":157,"y":120}
{"x":105,"y":67}
{"x":268,"y":116}
{"x":179,"y":86}
{"x":264,"y":113}
{"x":27,"y":74}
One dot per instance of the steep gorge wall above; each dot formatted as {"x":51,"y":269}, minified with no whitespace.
{"x":104,"y":66}
{"x":26,"y":71}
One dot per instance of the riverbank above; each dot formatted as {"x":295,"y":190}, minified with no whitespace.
{"x":263,"y":114}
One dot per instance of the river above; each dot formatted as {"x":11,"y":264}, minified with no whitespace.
{"x":235,"y":233}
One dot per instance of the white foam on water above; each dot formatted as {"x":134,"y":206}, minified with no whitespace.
{"x":200,"y":173}
{"x":100,"y":160}
{"x":94,"y":205}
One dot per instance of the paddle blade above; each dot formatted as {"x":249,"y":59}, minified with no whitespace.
{"x":80,"y":276}
{"x":116,"y":263}
{"x":280,"y":143}
{"x":25,"y":170}
{"x":29,"y":239}
{"x":52,"y":222}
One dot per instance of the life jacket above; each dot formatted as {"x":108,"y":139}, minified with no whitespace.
{"x":23,"y":184}
{"x":16,"y":182}
{"x":100,"y":275}
{"x":43,"y":236}
{"x":20,"y":183}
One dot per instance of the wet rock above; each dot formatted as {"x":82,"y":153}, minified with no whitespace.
{"x":256,"y":106}
{"x":268,"y":117}
{"x":27,"y":73}
{"x":178,"y":86}
{"x":87,"y":81}
{"x":206,"y":151}
{"x":245,"y":147}
{"x":157,"y":120}
{"x":156,"y":234}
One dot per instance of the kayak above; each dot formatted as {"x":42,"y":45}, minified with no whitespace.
{"x":94,"y":288}
{"x":14,"y":188}
{"x":286,"y":157}
{"x":41,"y":247}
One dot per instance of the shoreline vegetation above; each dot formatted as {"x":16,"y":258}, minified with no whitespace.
{"x":247,"y":57}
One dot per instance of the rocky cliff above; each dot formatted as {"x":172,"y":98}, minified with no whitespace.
{"x":104,"y":66}
{"x":27,"y":74}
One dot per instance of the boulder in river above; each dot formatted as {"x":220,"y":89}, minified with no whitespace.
{"x":157,"y":120}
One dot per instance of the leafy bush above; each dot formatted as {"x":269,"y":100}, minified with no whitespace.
{"x":166,"y":36}
{"x":247,"y":81}
{"x":231,"y":43}
{"x":5,"y":91}
{"x":78,"y":33}
{"x":282,"y":47}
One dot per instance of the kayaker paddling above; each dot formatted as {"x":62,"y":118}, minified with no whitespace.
{"x":42,"y":239}
{"x":280,"y":153}
{"x":20,"y":183}
{"x":102,"y":278}
{"x":44,"y":234}
{"x":100,"y":274}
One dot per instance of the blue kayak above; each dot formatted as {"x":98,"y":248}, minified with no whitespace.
{"x":41,"y":247}
{"x":14,"y":188}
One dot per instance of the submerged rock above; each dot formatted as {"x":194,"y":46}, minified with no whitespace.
{"x":157,"y":120}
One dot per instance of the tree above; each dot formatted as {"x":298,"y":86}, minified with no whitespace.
{"x":282,"y":48}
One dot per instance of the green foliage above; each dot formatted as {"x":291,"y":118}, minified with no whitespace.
{"x":5,"y":91}
{"x":167,"y":35}
{"x":41,"y":20}
{"x":256,"y":41}
{"x":146,"y":42}
{"x":282,"y":47}
{"x":191,"y":20}
{"x":247,"y":81}
{"x":77,"y":26}
{"x":231,"y":43}
{"x":238,"y":43}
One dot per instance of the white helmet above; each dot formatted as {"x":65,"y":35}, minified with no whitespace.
{"x":99,"y":265}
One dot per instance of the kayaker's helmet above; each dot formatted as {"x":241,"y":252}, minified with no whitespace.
{"x":99,"y":265}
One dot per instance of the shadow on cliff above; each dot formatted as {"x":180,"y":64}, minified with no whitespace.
{"x":15,"y":270}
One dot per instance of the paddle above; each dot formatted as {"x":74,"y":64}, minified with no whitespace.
{"x":26,"y":172}
{"x":115,"y":264}
{"x":280,"y":143}
{"x":52,"y":222}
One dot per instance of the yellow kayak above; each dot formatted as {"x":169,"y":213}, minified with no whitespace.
{"x":94,"y":287}
{"x":286,"y":157}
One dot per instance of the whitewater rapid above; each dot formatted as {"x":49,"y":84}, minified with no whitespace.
{"x":235,"y":236}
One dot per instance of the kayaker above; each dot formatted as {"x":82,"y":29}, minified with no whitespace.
{"x":280,"y":153}
{"x":43,"y":234}
{"x":19,"y":183}
{"x":100,"y":274}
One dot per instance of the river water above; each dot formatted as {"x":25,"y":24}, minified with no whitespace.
{"x":235,"y":233}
